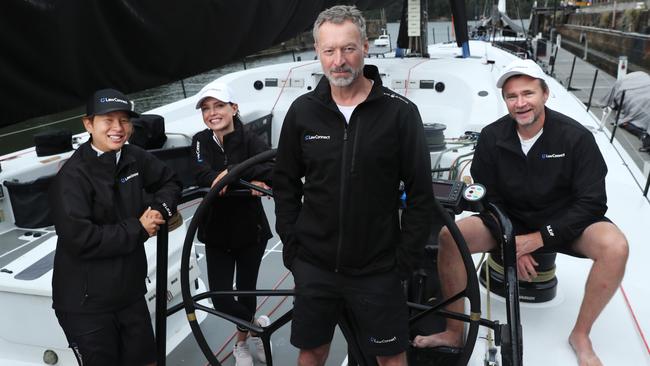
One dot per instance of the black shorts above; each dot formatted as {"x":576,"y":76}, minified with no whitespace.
{"x":520,"y":229}
{"x":124,"y":337}
{"x":376,"y":303}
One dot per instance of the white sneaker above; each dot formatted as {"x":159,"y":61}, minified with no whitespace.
{"x":242,"y":354}
{"x":263,"y":321}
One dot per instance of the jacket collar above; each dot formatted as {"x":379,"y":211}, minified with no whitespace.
{"x":106,"y":161}
{"x":236,"y":135}
{"x":323,"y":90}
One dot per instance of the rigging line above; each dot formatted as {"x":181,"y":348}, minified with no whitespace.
{"x":636,"y":321}
{"x":232,"y":336}
{"x":625,"y":163}
{"x":408,"y":77}
{"x":42,"y":125}
{"x":285,"y":83}
{"x":284,"y":298}
{"x":520,"y":19}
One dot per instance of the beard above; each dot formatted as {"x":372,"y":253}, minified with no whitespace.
{"x":529,"y":121}
{"x":343,"y":81}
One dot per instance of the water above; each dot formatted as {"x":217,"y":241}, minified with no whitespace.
{"x":20,"y":135}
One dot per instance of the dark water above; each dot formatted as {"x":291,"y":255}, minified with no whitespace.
{"x":21,"y":135}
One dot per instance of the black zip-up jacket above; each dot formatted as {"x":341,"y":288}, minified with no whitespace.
{"x":100,"y":263}
{"x":345,"y":216}
{"x":238,"y":221}
{"x":557,"y":189}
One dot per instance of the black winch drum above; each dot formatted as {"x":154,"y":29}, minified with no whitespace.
{"x":541,"y":289}
{"x":435,"y":136}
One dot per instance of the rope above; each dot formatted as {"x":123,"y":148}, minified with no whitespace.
{"x":488,"y":304}
{"x":636,"y":321}
{"x":408,"y":78}
{"x":286,"y":80}
{"x":542,"y":276}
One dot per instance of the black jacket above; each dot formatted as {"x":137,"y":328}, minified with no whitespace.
{"x":239,"y":220}
{"x":345,"y":216}
{"x":558,"y":188}
{"x":100,"y":263}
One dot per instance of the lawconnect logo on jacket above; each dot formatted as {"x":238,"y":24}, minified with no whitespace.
{"x":316,"y":137}
{"x":127,"y":178}
{"x":198,"y":152}
{"x":553,"y":156}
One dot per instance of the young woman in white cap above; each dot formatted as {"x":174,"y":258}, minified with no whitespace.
{"x":235,"y":230}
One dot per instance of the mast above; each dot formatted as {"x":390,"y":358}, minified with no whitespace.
{"x":459,"y":17}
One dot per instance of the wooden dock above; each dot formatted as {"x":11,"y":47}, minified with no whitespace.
{"x":580,"y":83}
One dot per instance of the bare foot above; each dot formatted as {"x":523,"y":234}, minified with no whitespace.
{"x":446,"y":338}
{"x":581,"y":345}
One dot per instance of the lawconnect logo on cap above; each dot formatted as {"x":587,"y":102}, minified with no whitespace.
{"x":111,"y":100}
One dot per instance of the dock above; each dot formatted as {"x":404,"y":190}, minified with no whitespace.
{"x":580,"y":84}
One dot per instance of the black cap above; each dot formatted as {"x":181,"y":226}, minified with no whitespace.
{"x":109,"y":100}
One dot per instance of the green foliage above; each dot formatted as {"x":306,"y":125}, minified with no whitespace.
{"x":631,"y":19}
{"x":605,"y":20}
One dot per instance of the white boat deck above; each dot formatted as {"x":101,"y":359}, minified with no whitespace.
{"x":468,"y":102}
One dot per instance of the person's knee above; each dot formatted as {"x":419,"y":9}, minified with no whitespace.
{"x":445,"y":240}
{"x":313,"y":356}
{"x":393,"y":360}
{"x":610,"y":244}
{"x":618,"y":249}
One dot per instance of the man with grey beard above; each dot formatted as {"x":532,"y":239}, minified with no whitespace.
{"x":352,"y":141}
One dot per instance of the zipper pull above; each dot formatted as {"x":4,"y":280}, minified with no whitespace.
{"x":345,"y":134}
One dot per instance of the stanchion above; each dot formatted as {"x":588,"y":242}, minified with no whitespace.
{"x":618,"y":115}
{"x":573,"y":65}
{"x":591,"y":93}
{"x":161,"y":293}
{"x":183,"y":87}
{"x":622,"y":67}
{"x":553,"y":59}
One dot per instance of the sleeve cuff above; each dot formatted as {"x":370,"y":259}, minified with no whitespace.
{"x":549,"y":235}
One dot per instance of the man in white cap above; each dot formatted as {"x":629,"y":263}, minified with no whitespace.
{"x":546,"y":172}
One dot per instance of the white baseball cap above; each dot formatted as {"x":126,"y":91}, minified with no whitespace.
{"x":520,"y":67}
{"x":218,"y":91}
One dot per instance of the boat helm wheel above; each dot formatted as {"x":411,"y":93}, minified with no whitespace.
{"x":191,"y":302}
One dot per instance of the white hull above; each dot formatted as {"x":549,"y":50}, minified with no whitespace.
{"x":469,"y":101}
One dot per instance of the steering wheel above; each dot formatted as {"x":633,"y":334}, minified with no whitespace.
{"x":471,"y":291}
{"x":191,"y":303}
